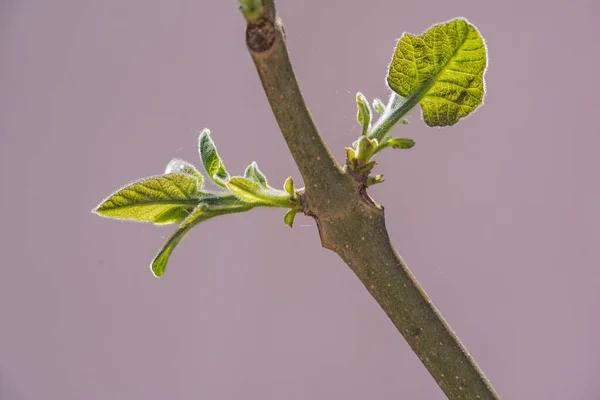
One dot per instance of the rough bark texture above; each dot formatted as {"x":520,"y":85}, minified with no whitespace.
{"x":351,"y":224}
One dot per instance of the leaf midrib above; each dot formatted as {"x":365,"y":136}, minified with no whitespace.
{"x":434,"y":78}
{"x":172,"y":202}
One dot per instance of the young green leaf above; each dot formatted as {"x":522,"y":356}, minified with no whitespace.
{"x":165,"y":199}
{"x":178,"y":166}
{"x":365,"y":148}
{"x":350,"y":153}
{"x":159,"y":263}
{"x":252,"y":192}
{"x":253,"y":173}
{"x":210,"y":206}
{"x":211,"y":160}
{"x":289,"y":217}
{"x":442,"y":69}
{"x":378,"y":106}
{"x":364,"y":113}
{"x":401,"y":143}
{"x":288,"y":186}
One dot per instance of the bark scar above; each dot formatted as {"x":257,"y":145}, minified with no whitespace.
{"x":261,"y":35}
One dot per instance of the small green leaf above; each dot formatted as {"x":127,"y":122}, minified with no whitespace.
{"x":178,"y":166}
{"x":211,"y":160}
{"x":252,"y":192}
{"x":288,"y":186}
{"x":442,"y":69}
{"x":378,"y":106}
{"x":211,"y":206}
{"x":253,"y":173}
{"x":373,"y":180}
{"x":401,"y":143}
{"x":350,"y":153}
{"x":159,"y":263}
{"x":165,"y":199}
{"x":364,"y":113}
{"x":365,"y":148}
{"x":289,"y":217}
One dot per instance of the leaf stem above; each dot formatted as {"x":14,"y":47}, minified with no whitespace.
{"x":388,"y":119}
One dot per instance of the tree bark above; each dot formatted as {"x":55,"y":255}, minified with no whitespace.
{"x":352,"y":224}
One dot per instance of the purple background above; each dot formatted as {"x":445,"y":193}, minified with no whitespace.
{"x":498,"y":217}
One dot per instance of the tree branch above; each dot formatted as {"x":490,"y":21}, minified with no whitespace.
{"x":359,"y":236}
{"x":265,"y":39}
{"x":352,"y":224}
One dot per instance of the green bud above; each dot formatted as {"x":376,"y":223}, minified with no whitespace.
{"x":366,"y":147}
{"x":288,"y":186}
{"x":350,"y":154}
{"x":252,"y":9}
{"x":378,"y":106}
{"x":373,"y":180}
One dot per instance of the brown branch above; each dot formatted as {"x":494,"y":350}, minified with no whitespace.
{"x":265,"y":39}
{"x":352,"y":224}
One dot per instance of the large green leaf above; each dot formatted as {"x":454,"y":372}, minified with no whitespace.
{"x":211,"y":160}
{"x":442,"y":69}
{"x":165,"y":199}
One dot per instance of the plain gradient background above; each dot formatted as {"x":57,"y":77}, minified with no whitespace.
{"x":498,"y":216}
